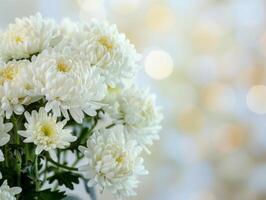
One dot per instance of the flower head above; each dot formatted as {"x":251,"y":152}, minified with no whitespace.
{"x":113,"y":162}
{"x":110,"y":51}
{"x":7,"y":193}
{"x":46,"y":132}
{"x":68,"y":82}
{"x":27,"y":36}
{"x":137,"y":111}
{"x":14,"y":87}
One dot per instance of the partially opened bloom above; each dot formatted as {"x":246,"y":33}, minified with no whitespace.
{"x":8,"y":193}
{"x":27,"y":36}
{"x":46,"y":132}
{"x":137,"y":111}
{"x":113,"y":162}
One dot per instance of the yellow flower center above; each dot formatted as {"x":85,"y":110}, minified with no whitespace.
{"x":48,"y":129}
{"x":8,"y":73}
{"x":63,"y":67}
{"x":120,"y":159}
{"x":113,"y":90}
{"x":18,"y":39}
{"x":104,"y":40}
{"x":27,"y":86}
{"x":119,"y":154}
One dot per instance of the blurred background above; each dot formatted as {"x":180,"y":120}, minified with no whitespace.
{"x":205,"y":60}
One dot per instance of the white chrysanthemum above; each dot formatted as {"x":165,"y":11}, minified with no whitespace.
{"x":136,"y":110}
{"x":8,"y":193}
{"x":27,"y":36}
{"x":69,"y":29}
{"x":110,"y":51}
{"x":4,"y":129}
{"x":14,"y":87}
{"x":46,"y":132}
{"x":69,"y":83}
{"x":113,"y":162}
{"x":4,"y":137}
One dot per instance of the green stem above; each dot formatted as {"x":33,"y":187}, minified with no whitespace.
{"x":84,"y":134}
{"x":17,"y":153}
{"x":45,"y":171}
{"x":15,"y":129}
{"x":36,"y":174}
{"x":6,"y":157}
{"x":58,"y":156}
{"x":18,"y":167}
{"x":27,"y":152}
{"x":94,"y":125}
{"x":110,"y":126}
{"x":62,"y":166}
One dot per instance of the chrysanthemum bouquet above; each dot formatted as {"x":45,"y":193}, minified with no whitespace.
{"x":70,"y":111}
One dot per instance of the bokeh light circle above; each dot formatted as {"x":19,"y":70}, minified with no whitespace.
{"x":125,"y":7}
{"x":90,"y":5}
{"x":256,"y":99}
{"x":160,"y":18}
{"x":159,"y":64}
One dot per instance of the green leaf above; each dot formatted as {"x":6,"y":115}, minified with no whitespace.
{"x":28,"y":187}
{"x":48,"y":194}
{"x":9,"y":174}
{"x":45,"y":195}
{"x":67,"y":179}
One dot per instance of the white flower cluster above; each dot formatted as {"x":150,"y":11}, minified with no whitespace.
{"x":78,"y":70}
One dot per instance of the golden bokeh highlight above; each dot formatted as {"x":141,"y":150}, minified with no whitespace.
{"x":206,"y":36}
{"x":191,"y":120}
{"x":256,"y":99}
{"x":158,"y":64}
{"x":232,"y":137}
{"x":218,"y":97}
{"x":160,"y":18}
{"x":253,"y":75}
{"x":123,"y":7}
